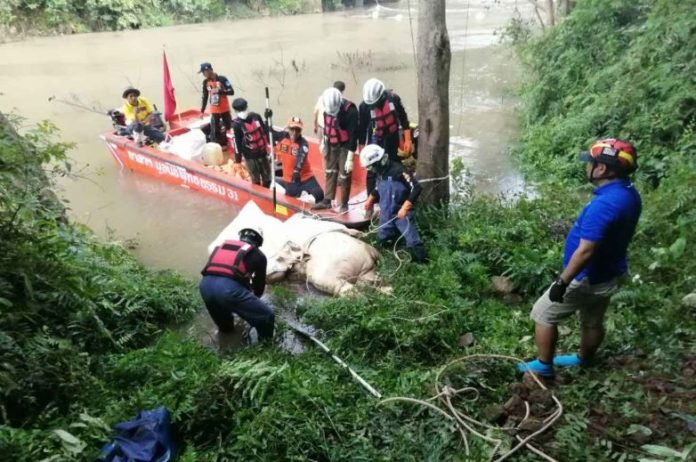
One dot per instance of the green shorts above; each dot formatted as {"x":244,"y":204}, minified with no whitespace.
{"x":589,"y":300}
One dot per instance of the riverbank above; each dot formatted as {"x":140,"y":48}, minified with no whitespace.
{"x":261,"y":403}
{"x":19,"y":20}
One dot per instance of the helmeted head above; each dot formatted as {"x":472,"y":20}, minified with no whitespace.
{"x":331,"y":99}
{"x":373,"y":91}
{"x":617,"y":156}
{"x":207,"y":70}
{"x":373,"y":158}
{"x":295,"y":126}
{"x":252,"y":235}
{"x":240,"y":104}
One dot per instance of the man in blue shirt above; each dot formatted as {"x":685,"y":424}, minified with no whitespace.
{"x":594,"y":258}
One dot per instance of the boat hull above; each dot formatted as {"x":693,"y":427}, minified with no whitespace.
{"x":174,"y":170}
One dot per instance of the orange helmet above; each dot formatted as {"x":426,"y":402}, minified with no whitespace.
{"x":619,"y":154}
{"x":295,"y":122}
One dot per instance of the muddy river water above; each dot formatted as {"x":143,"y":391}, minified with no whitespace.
{"x":296,"y":56}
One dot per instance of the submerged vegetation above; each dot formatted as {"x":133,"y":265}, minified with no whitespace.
{"x":82,"y":341}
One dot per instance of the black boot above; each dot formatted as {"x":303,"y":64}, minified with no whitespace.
{"x":418,"y":254}
{"x":324,"y":204}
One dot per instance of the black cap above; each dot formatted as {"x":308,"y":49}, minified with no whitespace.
{"x":239,"y":104}
{"x":130,"y":90}
{"x":205,"y":67}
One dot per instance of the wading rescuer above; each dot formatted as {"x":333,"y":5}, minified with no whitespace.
{"x":233,"y":280}
{"x":140,"y":116}
{"x":396,"y":193}
{"x":339,"y":145}
{"x":216,"y":89}
{"x":251,"y":143}
{"x":384,"y":122}
{"x":594,"y":258}
{"x":292,"y":149}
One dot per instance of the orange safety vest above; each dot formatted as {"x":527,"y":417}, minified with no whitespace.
{"x":217,"y":102}
{"x":287,"y":151}
{"x":333,"y":132}
{"x":384,"y":118}
{"x":227,"y":260}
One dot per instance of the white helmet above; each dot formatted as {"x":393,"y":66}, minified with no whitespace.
{"x":331,"y":99}
{"x":372,"y":91}
{"x":253,"y":233}
{"x":371,"y":154}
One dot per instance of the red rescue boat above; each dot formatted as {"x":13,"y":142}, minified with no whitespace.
{"x":192,"y":175}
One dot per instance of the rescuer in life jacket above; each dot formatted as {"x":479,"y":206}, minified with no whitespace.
{"x":233,"y":280}
{"x":384,"y":122}
{"x":292,"y":149}
{"x":141,"y":118}
{"x":396,"y":192}
{"x":251,"y":143}
{"x":339,"y":145}
{"x":216,"y":89}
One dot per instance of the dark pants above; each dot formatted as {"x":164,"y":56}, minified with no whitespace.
{"x":259,"y":170}
{"x":219,"y":124}
{"x":310,"y":185}
{"x":152,"y":133}
{"x":335,"y":169}
{"x":225,"y":296}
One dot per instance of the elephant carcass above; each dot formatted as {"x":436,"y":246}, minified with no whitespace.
{"x":336,"y":262}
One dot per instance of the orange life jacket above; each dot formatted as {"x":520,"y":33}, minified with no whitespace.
{"x":333,"y":132}
{"x":254,"y":136}
{"x":384,"y":119}
{"x":228,"y":260}
{"x":217,"y":102}
{"x":287,"y":151}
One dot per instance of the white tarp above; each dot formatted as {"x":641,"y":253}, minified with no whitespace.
{"x":327,"y":253}
{"x":188,"y":145}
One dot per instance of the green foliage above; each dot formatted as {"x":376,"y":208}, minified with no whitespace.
{"x":97,"y":15}
{"x":80,"y":348}
{"x":62,"y":293}
{"x":621,"y":68}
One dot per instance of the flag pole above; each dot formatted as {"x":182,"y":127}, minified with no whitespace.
{"x":269,"y":122}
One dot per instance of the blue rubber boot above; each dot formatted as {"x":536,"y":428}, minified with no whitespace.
{"x":536,"y":366}
{"x":568,"y":361}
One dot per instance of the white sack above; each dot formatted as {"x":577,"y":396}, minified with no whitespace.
{"x":188,"y":145}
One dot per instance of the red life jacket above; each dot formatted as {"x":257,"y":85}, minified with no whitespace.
{"x":335,"y":135}
{"x":228,"y":260}
{"x":287,"y":151}
{"x":384,"y":118}
{"x":254,"y":136}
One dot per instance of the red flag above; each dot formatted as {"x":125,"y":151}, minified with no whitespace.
{"x":169,"y":99}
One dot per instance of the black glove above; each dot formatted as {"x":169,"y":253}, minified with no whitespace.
{"x":557,"y":290}
{"x":268,"y":113}
{"x":296,"y":177}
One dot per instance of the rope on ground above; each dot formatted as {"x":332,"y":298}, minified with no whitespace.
{"x":466,"y":423}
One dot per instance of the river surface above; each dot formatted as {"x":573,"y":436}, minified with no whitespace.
{"x":297,"y":57}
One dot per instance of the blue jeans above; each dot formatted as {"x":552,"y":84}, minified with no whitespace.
{"x":295,"y":189}
{"x":405,"y":228}
{"x":224,"y":296}
{"x":154,"y":134}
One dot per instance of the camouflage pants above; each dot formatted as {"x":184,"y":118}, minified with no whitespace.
{"x":259,"y":170}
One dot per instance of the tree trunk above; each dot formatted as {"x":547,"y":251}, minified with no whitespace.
{"x":565,"y":7}
{"x":433,"y":59}
{"x":551,"y":11}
